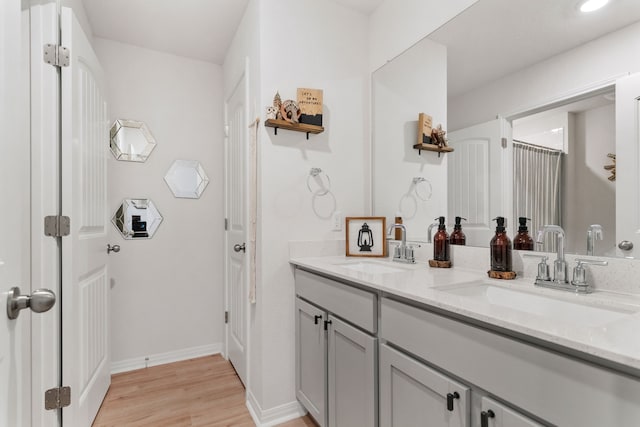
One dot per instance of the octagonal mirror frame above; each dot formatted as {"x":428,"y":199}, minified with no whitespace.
{"x":137,"y":219}
{"x":186,"y":179}
{"x":131,"y":141}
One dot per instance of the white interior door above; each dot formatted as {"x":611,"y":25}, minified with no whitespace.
{"x":236,"y":235}
{"x":15,"y":368}
{"x":628,"y":165}
{"x":479,"y":179}
{"x":85,"y":286}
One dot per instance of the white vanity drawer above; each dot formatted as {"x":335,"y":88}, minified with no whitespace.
{"x":350,"y":303}
{"x":557,"y":388}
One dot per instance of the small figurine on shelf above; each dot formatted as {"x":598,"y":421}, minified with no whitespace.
{"x":272,"y":113}
{"x":277,"y":103}
{"x":290,"y":111}
{"x":438,"y":136}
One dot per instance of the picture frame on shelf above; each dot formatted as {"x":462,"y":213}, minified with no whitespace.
{"x":366,"y":236}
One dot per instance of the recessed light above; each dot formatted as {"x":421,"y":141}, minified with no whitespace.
{"x":591,"y":5}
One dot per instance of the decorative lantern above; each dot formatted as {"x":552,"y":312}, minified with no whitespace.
{"x":365,"y":238}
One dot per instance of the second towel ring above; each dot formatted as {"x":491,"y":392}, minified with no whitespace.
{"x":422,"y":195}
{"x":317,"y":175}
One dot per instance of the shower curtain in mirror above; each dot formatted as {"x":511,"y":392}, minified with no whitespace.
{"x":537,"y":185}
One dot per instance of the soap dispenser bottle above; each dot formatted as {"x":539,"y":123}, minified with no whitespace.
{"x":523,"y":241}
{"x":500,"y":248}
{"x":441,"y":242}
{"x":458,"y":237}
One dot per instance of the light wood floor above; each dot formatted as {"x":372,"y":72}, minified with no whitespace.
{"x":198,"y":392}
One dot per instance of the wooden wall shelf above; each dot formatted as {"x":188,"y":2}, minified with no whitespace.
{"x":298,"y":127}
{"x":432,"y":147}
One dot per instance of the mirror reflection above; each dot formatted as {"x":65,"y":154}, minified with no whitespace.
{"x":186,"y":179}
{"x":137,"y":219}
{"x":550,"y":75}
{"x":131,"y":141}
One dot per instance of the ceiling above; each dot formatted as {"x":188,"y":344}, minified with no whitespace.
{"x":494,"y":38}
{"x":199,"y":29}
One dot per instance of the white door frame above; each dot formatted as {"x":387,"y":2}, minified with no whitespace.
{"x":242,"y":79}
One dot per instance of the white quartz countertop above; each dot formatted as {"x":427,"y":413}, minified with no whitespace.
{"x":615,"y":340}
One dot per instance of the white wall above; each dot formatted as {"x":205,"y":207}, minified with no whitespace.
{"x":586,"y":182}
{"x":398,"y":24}
{"x":604,"y":58}
{"x":413,"y":83}
{"x":167,"y":292}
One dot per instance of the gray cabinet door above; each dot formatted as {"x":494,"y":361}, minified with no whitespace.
{"x":311,"y":349}
{"x":412,"y":394}
{"x":352,"y":376}
{"x":499,"y":415}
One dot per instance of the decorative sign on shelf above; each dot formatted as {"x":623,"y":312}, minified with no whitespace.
{"x":310,"y":103}
{"x":425,"y":123}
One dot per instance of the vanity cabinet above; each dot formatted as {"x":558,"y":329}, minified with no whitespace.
{"x":336,"y":351}
{"x":413,"y":394}
{"x":495,"y":414}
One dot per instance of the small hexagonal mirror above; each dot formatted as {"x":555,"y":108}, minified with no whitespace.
{"x":131,"y":141}
{"x":186,"y":179}
{"x":137,"y":219}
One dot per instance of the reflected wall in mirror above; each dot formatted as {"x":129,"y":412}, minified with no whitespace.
{"x":186,"y":179}
{"x":515,"y":70}
{"x":131,"y":141}
{"x":137,"y":219}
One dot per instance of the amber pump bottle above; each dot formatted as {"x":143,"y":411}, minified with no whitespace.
{"x":441,"y":242}
{"x":523,"y":241}
{"x":458,"y":237}
{"x":500,"y":248}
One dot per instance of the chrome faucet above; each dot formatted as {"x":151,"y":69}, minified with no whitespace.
{"x":559,"y":265}
{"x":402,"y":253}
{"x":594,"y":232}
{"x":430,"y":231}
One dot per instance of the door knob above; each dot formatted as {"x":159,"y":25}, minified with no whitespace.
{"x":625,"y":245}
{"x":239,"y":248}
{"x":39,"y":301}
{"x":114,"y":248}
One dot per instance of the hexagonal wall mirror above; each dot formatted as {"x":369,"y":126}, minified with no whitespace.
{"x":137,"y":219}
{"x":186,"y":179}
{"x":131,"y":141}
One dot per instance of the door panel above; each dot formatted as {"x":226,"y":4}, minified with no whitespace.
{"x":236,"y":261}
{"x":413,"y":394}
{"x":15,"y":382}
{"x":351,"y":376}
{"x":311,"y":350}
{"x":628,"y":163}
{"x":85,"y":299}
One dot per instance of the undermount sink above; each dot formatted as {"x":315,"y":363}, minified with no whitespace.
{"x":575,"y":312}
{"x":372,"y":267}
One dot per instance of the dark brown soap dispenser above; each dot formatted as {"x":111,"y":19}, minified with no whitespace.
{"x":458,"y":237}
{"x":523,"y":241}
{"x":441,"y":242}
{"x":500,"y":248}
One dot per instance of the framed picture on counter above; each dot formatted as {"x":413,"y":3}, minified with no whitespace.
{"x":366,"y":236}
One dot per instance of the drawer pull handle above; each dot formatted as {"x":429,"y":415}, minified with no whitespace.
{"x":326,"y":324}
{"x":484,"y":417}
{"x":316,"y":318}
{"x":450,"y":397}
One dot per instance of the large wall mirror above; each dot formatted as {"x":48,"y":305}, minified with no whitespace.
{"x":549,"y":73}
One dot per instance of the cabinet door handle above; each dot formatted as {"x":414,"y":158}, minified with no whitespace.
{"x":316,"y":318}
{"x":450,"y":397}
{"x":326,"y":324}
{"x":484,"y":417}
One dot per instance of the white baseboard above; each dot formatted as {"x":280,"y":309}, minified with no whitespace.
{"x":274,"y":416}
{"x":163,"y":358}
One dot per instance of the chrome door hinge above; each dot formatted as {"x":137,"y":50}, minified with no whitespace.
{"x":226,"y":317}
{"x":503,"y":141}
{"x":57,"y":226}
{"x":57,"y":398}
{"x":226,"y":224}
{"x":58,"y":56}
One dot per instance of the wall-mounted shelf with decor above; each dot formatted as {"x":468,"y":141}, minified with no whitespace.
{"x":432,"y":147}
{"x":298,"y":127}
